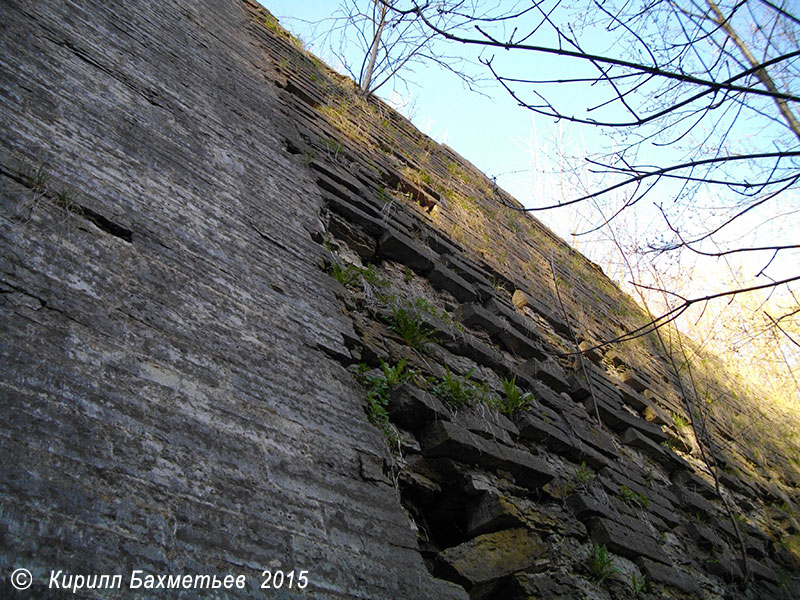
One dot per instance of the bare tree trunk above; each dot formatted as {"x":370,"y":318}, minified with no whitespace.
{"x":761,"y":72}
{"x":366,"y":78}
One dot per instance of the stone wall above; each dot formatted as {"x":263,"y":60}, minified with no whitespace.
{"x":187,"y":390}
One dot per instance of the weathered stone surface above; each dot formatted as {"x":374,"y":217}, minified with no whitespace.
{"x":400,"y":247}
{"x":473,"y":315}
{"x":704,"y":536}
{"x":548,"y":310}
{"x":669,"y":460}
{"x":584,"y":506}
{"x":487,"y":423}
{"x":363,"y":244}
{"x":693,"y":503}
{"x":667,"y":575}
{"x":660,"y":500}
{"x":444,"y":278}
{"x":548,"y":371}
{"x":488,"y":558}
{"x":170,"y":398}
{"x":689,"y":480}
{"x":176,"y":368}
{"x":492,"y":512}
{"x":624,"y":536}
{"x":447,"y":439}
{"x":634,"y":380}
{"x":725,"y":564}
{"x":413,"y":408}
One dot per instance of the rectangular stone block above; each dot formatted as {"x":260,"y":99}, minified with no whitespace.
{"x":443,"y":439}
{"x":668,"y":575}
{"x":413,"y":408}
{"x":399,"y":247}
{"x":626,"y":541}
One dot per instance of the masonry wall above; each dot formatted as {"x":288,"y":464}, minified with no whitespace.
{"x":185,"y":386}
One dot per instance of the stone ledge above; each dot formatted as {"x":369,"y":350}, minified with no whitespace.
{"x":443,"y":439}
{"x":413,"y":408}
{"x":667,"y":575}
{"x":669,"y":460}
{"x":399,"y":247}
{"x":625,"y":539}
{"x":483,"y":562}
{"x":445,"y":279}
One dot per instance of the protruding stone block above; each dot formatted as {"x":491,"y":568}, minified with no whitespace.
{"x":626,"y":540}
{"x":485,"y":560}
{"x":446,"y":439}
{"x":667,"y":575}
{"x":413,"y":408}
{"x":399,"y":247}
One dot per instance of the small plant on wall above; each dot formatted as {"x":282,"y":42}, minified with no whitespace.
{"x":514,"y":401}
{"x":601,"y":565}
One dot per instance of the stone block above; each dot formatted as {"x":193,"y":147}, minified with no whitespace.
{"x":668,"y":575}
{"x":626,"y":539}
{"x":492,"y":512}
{"x":634,"y":380}
{"x":413,"y":408}
{"x":547,"y":371}
{"x":666,"y":458}
{"x":446,"y":279}
{"x":546,"y":427}
{"x":474,"y":315}
{"x":448,"y":440}
{"x":400,"y":247}
{"x":760,"y":570}
{"x":724,"y":564}
{"x":584,"y":506}
{"x":590,"y":352}
{"x":548,"y":310}
{"x":705,"y":537}
{"x":656,"y":415}
{"x":691,"y":502}
{"x":660,"y":501}
{"x":488,"y":558}
{"x":362,"y":244}
{"x":487,"y":423}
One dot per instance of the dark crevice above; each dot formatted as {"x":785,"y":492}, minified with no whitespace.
{"x":126,"y":235}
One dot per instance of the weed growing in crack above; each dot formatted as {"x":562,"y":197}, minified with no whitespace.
{"x":633,"y":498}
{"x":514,"y":400}
{"x":407,"y":322}
{"x":679,"y":420}
{"x":601,"y":565}
{"x":638,"y":584}
{"x":378,"y":387}
{"x":453,"y":390}
{"x":580,"y":478}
